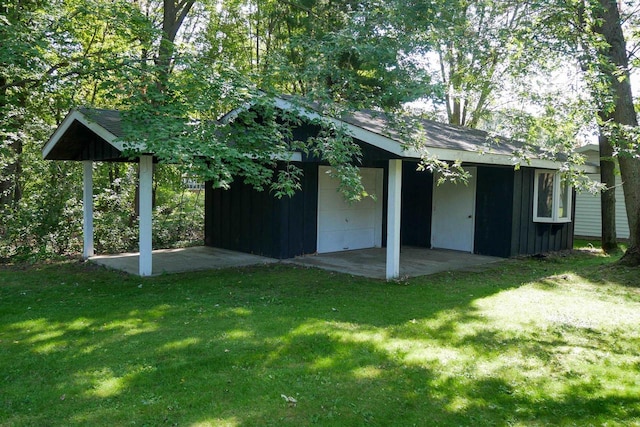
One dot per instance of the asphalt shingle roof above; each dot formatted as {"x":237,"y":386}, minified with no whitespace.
{"x":432,"y":134}
{"x":108,"y":119}
{"x":435,"y":134}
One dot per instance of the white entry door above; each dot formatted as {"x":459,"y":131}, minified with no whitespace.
{"x":345,"y":226}
{"x":453,"y":212}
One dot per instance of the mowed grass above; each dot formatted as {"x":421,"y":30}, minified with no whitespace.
{"x":527,"y":342}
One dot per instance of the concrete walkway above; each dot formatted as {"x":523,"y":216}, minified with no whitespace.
{"x":363,"y":262}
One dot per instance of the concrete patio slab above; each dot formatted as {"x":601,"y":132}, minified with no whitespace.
{"x":413,"y":261}
{"x":182,"y":260}
{"x":363,"y":262}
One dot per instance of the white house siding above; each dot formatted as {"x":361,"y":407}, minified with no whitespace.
{"x":588,"y":217}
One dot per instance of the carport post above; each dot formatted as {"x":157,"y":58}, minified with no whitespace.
{"x":87,"y":209}
{"x":145,"y":212}
{"x":393,"y":219}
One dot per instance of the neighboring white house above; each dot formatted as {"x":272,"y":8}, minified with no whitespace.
{"x":588,"y":218}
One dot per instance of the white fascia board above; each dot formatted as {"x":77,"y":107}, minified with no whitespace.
{"x":588,"y":147}
{"x":493,"y":159}
{"x":93,"y":126}
{"x":588,"y":169}
{"x":231,"y":115}
{"x":289,"y":156}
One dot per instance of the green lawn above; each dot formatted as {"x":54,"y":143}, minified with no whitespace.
{"x":527,"y":342}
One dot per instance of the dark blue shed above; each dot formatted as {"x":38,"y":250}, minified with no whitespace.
{"x":502,"y":211}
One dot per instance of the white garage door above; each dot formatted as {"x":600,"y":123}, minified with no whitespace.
{"x":453,"y":212}
{"x":345,"y":226}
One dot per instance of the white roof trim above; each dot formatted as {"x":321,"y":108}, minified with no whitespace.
{"x":289,"y":156}
{"x":588,"y":147}
{"x":76,"y":115}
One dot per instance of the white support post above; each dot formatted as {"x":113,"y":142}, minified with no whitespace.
{"x":87,"y":209}
{"x":145,"y":212}
{"x":393,"y":219}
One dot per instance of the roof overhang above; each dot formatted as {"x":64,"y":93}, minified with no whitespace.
{"x":401,"y":150}
{"x":53,"y":148}
{"x":80,"y":137}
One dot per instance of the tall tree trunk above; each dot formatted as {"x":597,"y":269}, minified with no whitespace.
{"x":630,"y":172}
{"x":173,"y":14}
{"x":622,"y":114}
{"x":608,"y":196}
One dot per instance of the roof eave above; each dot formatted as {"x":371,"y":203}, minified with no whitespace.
{"x":588,"y":147}
{"x":78,"y":116}
{"x":397,"y":148}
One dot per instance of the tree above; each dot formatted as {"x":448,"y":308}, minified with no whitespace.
{"x":608,"y":194}
{"x":599,"y":71}
{"x":621,"y":123}
{"x":472,"y":47}
{"x":53,"y":56}
{"x":59,"y":53}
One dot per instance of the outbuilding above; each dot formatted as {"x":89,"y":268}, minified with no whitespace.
{"x":502,"y":210}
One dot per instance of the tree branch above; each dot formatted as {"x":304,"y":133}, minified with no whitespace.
{"x":299,"y":7}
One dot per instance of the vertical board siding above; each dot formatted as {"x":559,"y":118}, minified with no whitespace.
{"x":234,"y":213}
{"x":417,"y":194}
{"x":282,"y":226}
{"x":309,"y":212}
{"x":494,"y":202}
{"x":245,"y":220}
{"x":245,"y":217}
{"x":95,"y":148}
{"x":385,"y":202}
{"x":265,"y":208}
{"x":295,"y":222}
{"x":528,"y":237}
{"x":516,"y":230}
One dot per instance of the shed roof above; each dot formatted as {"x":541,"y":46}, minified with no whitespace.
{"x":108,"y":119}
{"x":443,"y":141}
{"x":86,"y":134}
{"x":436,"y":134}
{"x":94,"y":134}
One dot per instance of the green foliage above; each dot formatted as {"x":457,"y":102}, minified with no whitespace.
{"x":46,"y":220}
{"x":36,"y":229}
{"x":115,"y":224}
{"x":475,"y":47}
{"x":180,"y":225}
{"x":48,"y":223}
{"x":54,"y":56}
{"x":463,"y":57}
{"x":287,"y":182}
